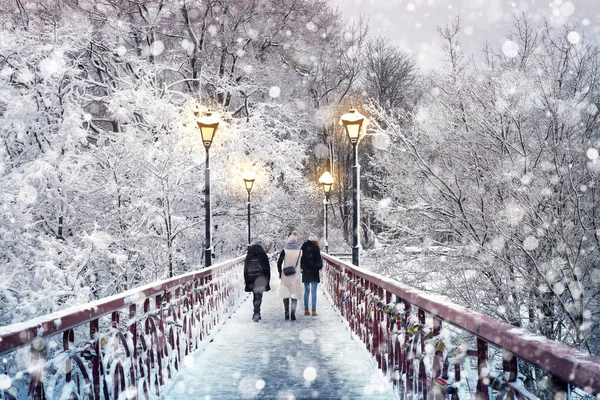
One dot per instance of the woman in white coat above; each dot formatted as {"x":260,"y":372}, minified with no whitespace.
{"x":291,"y":284}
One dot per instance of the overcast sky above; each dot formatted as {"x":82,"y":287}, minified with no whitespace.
{"x":412,"y":24}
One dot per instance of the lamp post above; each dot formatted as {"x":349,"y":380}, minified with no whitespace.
{"x":208,"y":124}
{"x":354,"y":124}
{"x":249,"y":177}
{"x":326,"y":180}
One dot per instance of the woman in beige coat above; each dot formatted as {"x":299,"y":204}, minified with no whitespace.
{"x":291,"y":285}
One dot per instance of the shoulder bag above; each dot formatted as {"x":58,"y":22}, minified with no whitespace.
{"x":291,"y":269}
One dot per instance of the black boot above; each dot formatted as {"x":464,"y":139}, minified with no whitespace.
{"x":294,"y":304}
{"x":286,"y":307}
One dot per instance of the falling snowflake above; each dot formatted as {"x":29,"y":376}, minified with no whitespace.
{"x":567,"y":9}
{"x":51,"y":66}
{"x":311,"y":26}
{"x":573,"y":37}
{"x":5,"y":382}
{"x":157,"y":47}
{"x":188,"y":361}
{"x":274,"y":91}
{"x":530,"y":243}
{"x":25,"y":76}
{"x":310,"y":374}
{"x":380,"y":141}
{"x":28,"y":194}
{"x":384,"y":203}
{"x":188,"y":46}
{"x":514,"y":213}
{"x":510,"y":49}
{"x":307,"y":336}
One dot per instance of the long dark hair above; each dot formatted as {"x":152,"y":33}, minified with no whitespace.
{"x":316,"y":242}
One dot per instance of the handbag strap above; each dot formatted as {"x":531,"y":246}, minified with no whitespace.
{"x":298,"y":259}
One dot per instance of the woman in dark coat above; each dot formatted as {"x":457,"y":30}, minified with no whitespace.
{"x":311,"y":263}
{"x":257,"y":275}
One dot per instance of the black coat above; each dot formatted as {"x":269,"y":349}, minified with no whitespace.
{"x":311,"y":262}
{"x":260,"y":283}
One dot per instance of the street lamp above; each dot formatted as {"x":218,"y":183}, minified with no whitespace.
{"x":249,"y":177}
{"x":326,"y":180}
{"x":355,"y":124}
{"x":208,"y":124}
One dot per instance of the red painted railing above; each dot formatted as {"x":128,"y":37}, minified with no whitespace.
{"x":423,"y":343}
{"x":130,"y":343}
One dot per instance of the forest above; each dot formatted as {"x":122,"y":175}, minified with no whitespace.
{"x":479,"y":180}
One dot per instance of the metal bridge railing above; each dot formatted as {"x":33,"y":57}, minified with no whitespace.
{"x":433,"y":349}
{"x":129,"y":344}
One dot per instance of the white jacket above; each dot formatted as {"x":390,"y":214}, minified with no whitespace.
{"x":291,"y":285}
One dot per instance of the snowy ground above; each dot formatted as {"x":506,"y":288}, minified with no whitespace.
{"x":310,"y":358}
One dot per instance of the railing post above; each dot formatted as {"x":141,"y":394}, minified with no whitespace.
{"x":559,"y":388}
{"x":408,"y":352}
{"x":422,"y":381}
{"x":509,"y":367}
{"x":133,"y":331}
{"x":68,"y":344}
{"x":388,"y":336}
{"x":436,"y":370}
{"x":160,"y":346}
{"x":377,"y":328}
{"x":115,"y":320}
{"x":94,"y":328}
{"x":133,"y":368}
{"x":482,"y":387}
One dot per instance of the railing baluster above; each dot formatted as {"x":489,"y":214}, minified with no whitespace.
{"x":509,"y":369}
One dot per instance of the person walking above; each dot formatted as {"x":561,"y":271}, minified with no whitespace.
{"x":288,"y":266}
{"x":311,"y":263}
{"x":257,"y":275}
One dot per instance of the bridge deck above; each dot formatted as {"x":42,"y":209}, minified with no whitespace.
{"x":312,"y":357}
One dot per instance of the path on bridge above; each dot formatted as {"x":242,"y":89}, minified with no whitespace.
{"x":310,"y":358}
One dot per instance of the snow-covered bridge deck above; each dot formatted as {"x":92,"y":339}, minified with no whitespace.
{"x":310,"y":358}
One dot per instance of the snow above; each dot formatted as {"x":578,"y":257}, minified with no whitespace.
{"x":312,"y":357}
{"x":5,"y":382}
{"x":274,"y":91}
{"x":530,"y":243}
{"x":573,"y":37}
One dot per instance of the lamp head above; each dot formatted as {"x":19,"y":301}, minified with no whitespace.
{"x":353,"y":124}
{"x":208,"y":124}
{"x":249,"y":177}
{"x":327,"y":181}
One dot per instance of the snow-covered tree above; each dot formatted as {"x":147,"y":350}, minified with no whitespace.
{"x":101,"y":172}
{"x":502,"y":167}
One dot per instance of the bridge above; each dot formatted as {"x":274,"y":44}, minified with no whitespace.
{"x":191,"y":336}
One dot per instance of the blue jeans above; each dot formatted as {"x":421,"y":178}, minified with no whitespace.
{"x":312,"y":288}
